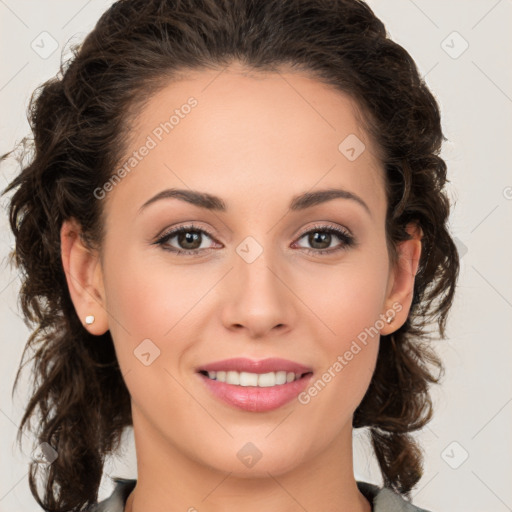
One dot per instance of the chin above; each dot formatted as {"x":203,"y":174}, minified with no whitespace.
{"x":252,"y":460}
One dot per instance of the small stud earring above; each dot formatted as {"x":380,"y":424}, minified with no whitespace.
{"x":390,"y":318}
{"x":89,"y":319}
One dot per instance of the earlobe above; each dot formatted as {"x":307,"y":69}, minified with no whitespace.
{"x":403,"y":276}
{"x":84,"y":277}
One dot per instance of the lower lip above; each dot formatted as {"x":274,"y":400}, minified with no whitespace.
{"x":256,"y":399}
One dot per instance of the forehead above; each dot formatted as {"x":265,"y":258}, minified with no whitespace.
{"x":251,"y":132}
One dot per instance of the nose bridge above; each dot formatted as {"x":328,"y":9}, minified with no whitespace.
{"x":255,"y":267}
{"x":258,"y":298}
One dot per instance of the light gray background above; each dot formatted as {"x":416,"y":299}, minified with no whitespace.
{"x":468,"y":445}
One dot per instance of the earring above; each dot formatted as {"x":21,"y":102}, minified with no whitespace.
{"x":390,"y":318}
{"x":89,"y":319}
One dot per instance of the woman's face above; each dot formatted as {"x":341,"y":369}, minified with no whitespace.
{"x":255,"y":283}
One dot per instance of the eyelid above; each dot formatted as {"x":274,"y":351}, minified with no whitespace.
{"x":192,"y":226}
{"x":318,"y":225}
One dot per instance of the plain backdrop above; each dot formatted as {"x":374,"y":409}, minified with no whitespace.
{"x":462,"y":49}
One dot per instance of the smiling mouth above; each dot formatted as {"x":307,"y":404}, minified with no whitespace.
{"x":248,"y":379}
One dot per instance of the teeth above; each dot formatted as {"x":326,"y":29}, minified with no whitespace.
{"x":247,"y":379}
{"x":233,"y":378}
{"x":262,"y":380}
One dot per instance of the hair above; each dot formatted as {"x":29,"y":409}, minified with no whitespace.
{"x":81,"y":121}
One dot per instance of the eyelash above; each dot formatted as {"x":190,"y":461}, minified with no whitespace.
{"x":347,"y":239}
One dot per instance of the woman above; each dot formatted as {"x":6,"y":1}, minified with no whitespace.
{"x":233,"y":233}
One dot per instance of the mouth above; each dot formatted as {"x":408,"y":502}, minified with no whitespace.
{"x":261,"y":380}
{"x":255,"y":386}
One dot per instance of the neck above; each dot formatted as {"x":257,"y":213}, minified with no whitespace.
{"x":169,"y":480}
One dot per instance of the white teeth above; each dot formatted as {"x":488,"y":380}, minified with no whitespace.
{"x":281,"y":377}
{"x":262,"y":380}
{"x":266,"y":380}
{"x":233,"y":378}
{"x":248,"y":379}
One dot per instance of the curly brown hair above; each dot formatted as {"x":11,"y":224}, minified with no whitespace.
{"x":80,"y":121}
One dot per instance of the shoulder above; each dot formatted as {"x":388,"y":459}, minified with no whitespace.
{"x":386,"y":500}
{"x":117,"y":500}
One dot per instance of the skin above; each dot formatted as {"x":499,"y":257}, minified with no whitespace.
{"x":255,"y":140}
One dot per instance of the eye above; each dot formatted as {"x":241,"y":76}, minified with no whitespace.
{"x":190,"y":237}
{"x":322,"y":235}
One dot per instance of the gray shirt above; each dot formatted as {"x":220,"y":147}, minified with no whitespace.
{"x":381,"y":499}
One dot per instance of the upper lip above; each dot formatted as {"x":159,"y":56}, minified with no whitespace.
{"x":242,"y":364}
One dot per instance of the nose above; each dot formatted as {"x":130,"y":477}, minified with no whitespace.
{"x":259,"y":296}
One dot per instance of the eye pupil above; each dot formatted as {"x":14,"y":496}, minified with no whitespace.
{"x":320,"y":237}
{"x":189,"y":237}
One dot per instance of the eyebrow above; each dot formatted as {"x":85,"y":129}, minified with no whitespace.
{"x":214,"y":203}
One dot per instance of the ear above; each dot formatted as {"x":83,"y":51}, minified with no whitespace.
{"x":82,"y":267}
{"x":401,"y":282}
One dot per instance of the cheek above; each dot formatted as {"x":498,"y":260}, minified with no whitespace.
{"x":348,"y":305}
{"x":148,"y":316}
{"x":148,"y":322}
{"x":147,"y":299}
{"x":347,"y":298}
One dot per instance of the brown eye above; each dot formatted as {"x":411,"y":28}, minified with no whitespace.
{"x":321,"y":237}
{"x":189,"y":240}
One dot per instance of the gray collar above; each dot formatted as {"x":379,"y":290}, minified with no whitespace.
{"x":382,"y":499}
